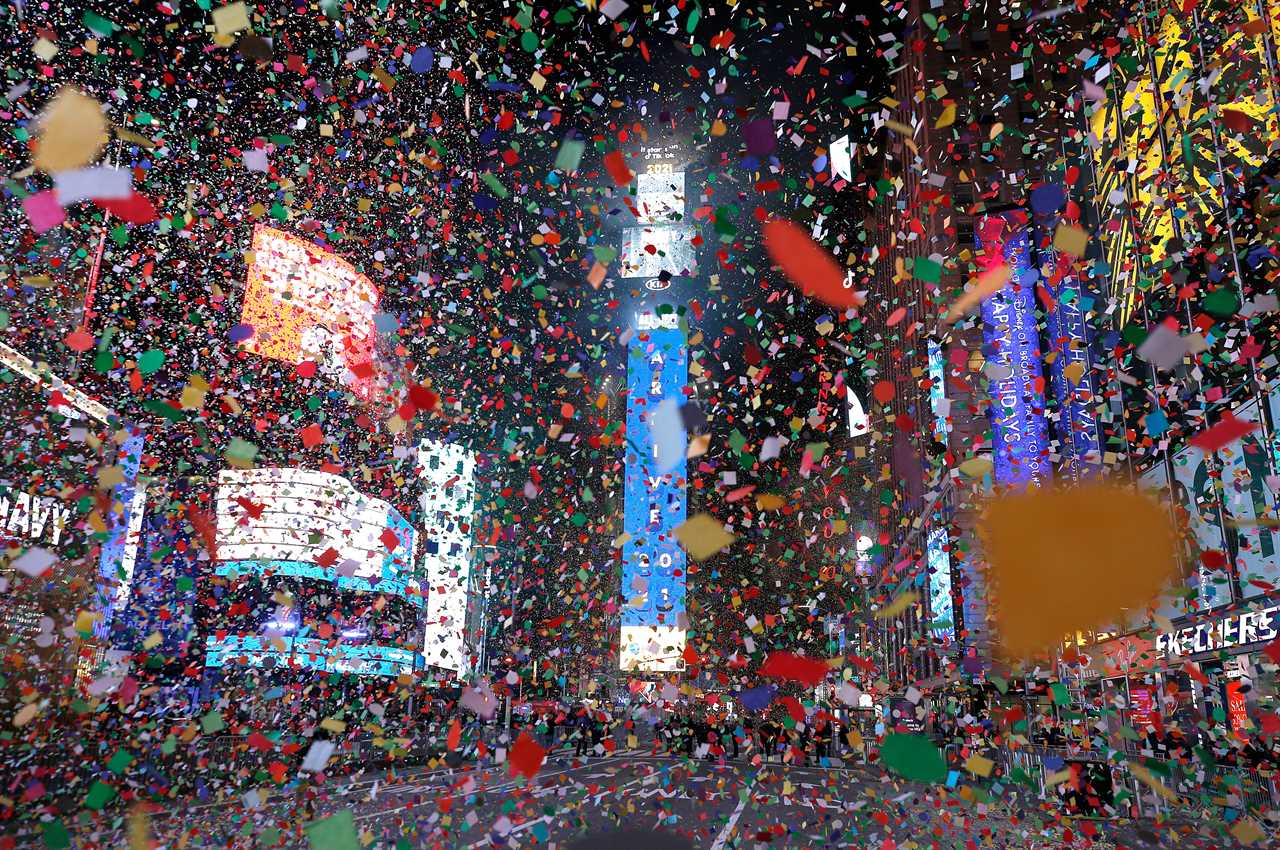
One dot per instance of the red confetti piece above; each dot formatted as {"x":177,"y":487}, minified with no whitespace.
{"x":796,"y":668}
{"x":526,"y":756}
{"x":1227,"y":431}
{"x":135,"y":209}
{"x":809,"y":266}
{"x":617,"y":168}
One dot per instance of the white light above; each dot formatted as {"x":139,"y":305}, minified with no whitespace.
{"x":859,"y":421}
{"x":447,"y":507}
{"x":842,"y":158}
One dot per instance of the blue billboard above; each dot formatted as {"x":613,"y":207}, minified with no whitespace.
{"x":1070,"y":374}
{"x":1012,"y":347}
{"x":653,"y":563}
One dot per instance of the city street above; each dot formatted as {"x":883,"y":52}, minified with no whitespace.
{"x":710,"y":805}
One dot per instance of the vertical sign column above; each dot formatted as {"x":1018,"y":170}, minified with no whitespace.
{"x":1018,"y":427}
{"x":653,"y":564}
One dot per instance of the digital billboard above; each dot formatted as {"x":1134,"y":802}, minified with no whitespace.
{"x":653,"y":563}
{"x":938,"y":391}
{"x":1070,"y":373}
{"x":1018,"y":425}
{"x":448,"y":507}
{"x":119,"y":554}
{"x":309,"y":524}
{"x":650,"y":251}
{"x":1162,"y":152}
{"x":660,"y":197}
{"x":306,"y":304}
{"x":859,"y":420}
{"x":941,"y":608}
{"x":310,"y":653}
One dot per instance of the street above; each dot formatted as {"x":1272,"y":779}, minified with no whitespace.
{"x":711,"y":805}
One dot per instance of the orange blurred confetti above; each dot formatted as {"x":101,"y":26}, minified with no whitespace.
{"x":1071,"y":559}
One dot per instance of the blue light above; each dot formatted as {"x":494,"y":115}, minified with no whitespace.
{"x":1018,"y":426}
{"x":657,"y":369}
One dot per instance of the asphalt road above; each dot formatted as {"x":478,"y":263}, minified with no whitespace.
{"x":712,"y":806}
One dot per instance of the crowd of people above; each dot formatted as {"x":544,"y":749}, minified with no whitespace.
{"x":591,"y":730}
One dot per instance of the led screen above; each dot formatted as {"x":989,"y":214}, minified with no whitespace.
{"x":298,"y":522}
{"x":652,"y":635}
{"x":448,"y":504}
{"x":312,"y":653}
{"x":660,"y":197}
{"x":1018,"y":427}
{"x":306,"y":304}
{"x":941,"y":609}
{"x":649,"y":251}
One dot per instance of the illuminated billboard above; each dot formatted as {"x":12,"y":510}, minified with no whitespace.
{"x":649,"y":251}
{"x":660,"y":197}
{"x":859,"y":420}
{"x":311,"y":653}
{"x":1163,"y":150}
{"x":842,"y":158}
{"x":653,"y":563}
{"x":448,"y":506}
{"x":941,"y":607}
{"x":299,"y":522}
{"x":118,"y":557}
{"x":1019,"y":431}
{"x":306,"y":304}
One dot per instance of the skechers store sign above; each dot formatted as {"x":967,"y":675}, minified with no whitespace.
{"x":1241,"y":629}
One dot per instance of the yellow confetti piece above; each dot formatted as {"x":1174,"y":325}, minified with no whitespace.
{"x":26,"y":714}
{"x":230,"y":19}
{"x":139,"y":830}
{"x":1247,"y":832}
{"x":769,"y":501}
{"x":976,"y":467}
{"x":703,"y":536}
{"x":1055,"y":779}
{"x":978,"y":765}
{"x":72,"y":132}
{"x":1070,"y":240}
{"x":1156,"y":785}
{"x":947,"y":118}
{"x":898,"y":605}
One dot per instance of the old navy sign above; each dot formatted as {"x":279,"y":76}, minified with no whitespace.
{"x":1240,"y":629}
{"x":1018,"y":426}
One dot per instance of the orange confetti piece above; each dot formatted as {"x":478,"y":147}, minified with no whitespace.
{"x":809,"y":266}
{"x":1073,"y":559}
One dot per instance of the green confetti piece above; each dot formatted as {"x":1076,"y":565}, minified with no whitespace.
{"x":913,"y":757}
{"x":927,"y":270}
{"x":55,"y":835}
{"x":150,"y":361}
{"x":336,"y":832}
{"x":496,"y":185}
{"x":1221,"y":303}
{"x":120,"y":761}
{"x":99,"y":795}
{"x":569,"y":155}
{"x":98,"y":24}
{"x":212,"y":722}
